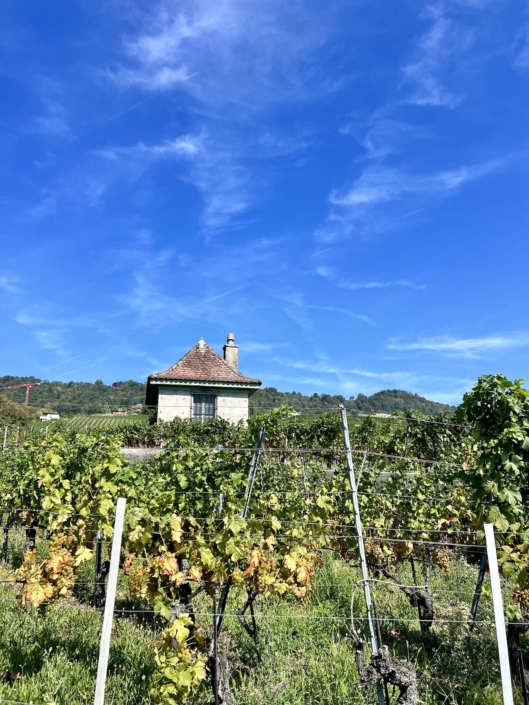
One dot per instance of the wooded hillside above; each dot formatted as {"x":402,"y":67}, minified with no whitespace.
{"x":97,"y":398}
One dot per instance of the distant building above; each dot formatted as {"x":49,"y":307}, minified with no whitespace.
{"x":49,"y":417}
{"x":202,"y":386}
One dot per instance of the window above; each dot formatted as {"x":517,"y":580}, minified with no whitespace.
{"x":203,"y":407}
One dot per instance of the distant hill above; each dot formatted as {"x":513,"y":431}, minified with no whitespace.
{"x":76,"y":397}
{"x":97,"y":398}
{"x":387,"y":401}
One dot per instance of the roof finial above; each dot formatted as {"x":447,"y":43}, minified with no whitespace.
{"x":201,"y":344}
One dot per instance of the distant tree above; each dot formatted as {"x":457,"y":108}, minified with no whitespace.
{"x":12,"y":414}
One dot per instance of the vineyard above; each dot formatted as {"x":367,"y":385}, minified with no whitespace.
{"x":243,"y":560}
{"x":97,"y":423}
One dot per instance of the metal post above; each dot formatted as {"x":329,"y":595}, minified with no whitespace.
{"x":499,"y":617}
{"x":522,"y":678}
{"x":251,"y":473}
{"x":99,"y":546}
{"x":360,"y":536}
{"x":5,"y":439}
{"x":304,"y":478}
{"x":5,"y":544}
{"x":379,"y":636}
{"x":215,"y":651}
{"x":477,"y":593}
{"x":244,"y":512}
{"x":106,"y":631}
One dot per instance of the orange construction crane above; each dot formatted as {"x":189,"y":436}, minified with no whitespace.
{"x":27,"y":385}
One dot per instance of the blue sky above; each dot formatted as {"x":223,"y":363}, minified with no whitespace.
{"x":343,"y":185}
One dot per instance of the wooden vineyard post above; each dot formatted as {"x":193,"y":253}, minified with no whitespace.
{"x":360,"y":537}
{"x":499,"y":617}
{"x":106,"y":631}
{"x":219,"y":617}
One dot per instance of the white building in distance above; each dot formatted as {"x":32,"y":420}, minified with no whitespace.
{"x":202,"y":386}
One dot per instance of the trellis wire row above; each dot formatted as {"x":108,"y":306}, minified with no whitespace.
{"x":337,"y":451}
{"x":257,"y":520}
{"x":347,"y":618}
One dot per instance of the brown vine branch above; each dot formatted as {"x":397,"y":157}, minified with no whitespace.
{"x":418,"y":597}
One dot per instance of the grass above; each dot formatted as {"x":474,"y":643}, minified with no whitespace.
{"x":300,"y":659}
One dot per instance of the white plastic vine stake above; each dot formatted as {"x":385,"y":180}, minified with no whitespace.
{"x":360,"y":536}
{"x":110,"y":601}
{"x":499,"y":616}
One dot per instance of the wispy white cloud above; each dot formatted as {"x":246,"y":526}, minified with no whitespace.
{"x":437,"y":51}
{"x":240,"y":53}
{"x":463,"y":347}
{"x":271,"y":144}
{"x":9,"y":284}
{"x":344,"y":312}
{"x":358,"y":207}
{"x":213,"y":169}
{"x":348,"y":380}
{"x":380,"y":184}
{"x":329,"y":273}
{"x":54,"y":118}
{"x":385,"y":136}
{"x":520,"y":50}
{"x":184,"y":146}
{"x":252,"y":346}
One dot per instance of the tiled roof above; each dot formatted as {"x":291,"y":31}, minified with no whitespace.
{"x":203,"y":364}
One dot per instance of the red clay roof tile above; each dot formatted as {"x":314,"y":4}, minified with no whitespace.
{"x":203,"y":364}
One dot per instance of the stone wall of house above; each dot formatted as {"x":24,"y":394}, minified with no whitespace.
{"x":173,"y":402}
{"x":232,"y":405}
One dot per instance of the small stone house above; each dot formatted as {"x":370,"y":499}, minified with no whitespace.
{"x":202,"y":386}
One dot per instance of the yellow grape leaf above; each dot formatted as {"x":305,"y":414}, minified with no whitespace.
{"x":299,"y":592}
{"x":179,"y":628}
{"x":176,"y":529}
{"x":235,"y":549}
{"x":56,"y":563}
{"x":136,"y":534}
{"x":82,"y":555}
{"x":178,"y":578}
{"x":256,"y":558}
{"x":167,"y":564}
{"x":271,"y":543}
{"x":36,"y":593}
{"x":302,"y":574}
{"x":290,"y":563}
{"x":195,"y":573}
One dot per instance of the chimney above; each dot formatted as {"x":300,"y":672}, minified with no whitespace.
{"x":231,"y":352}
